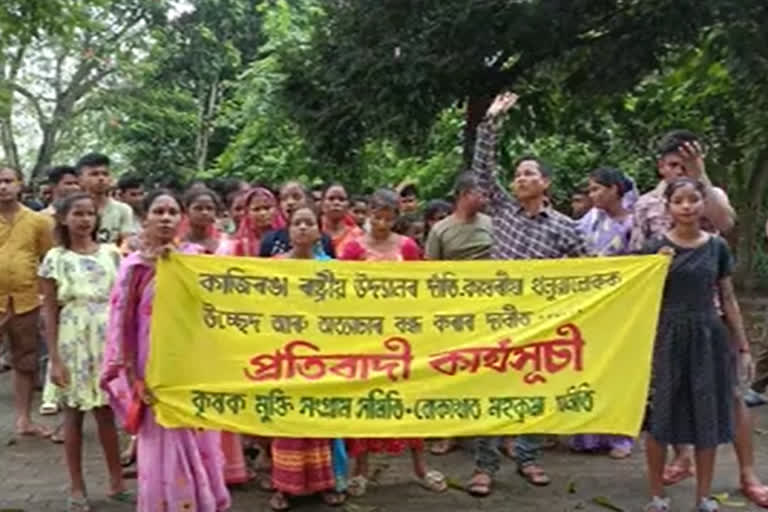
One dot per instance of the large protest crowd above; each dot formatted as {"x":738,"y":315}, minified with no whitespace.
{"x":77,"y":287}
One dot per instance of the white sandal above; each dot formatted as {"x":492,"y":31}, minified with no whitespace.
{"x":658,"y":504}
{"x":357,"y":486}
{"x":708,"y":505}
{"x":433,"y":481}
{"x":49,"y":409}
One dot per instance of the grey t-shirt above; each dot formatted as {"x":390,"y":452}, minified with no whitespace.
{"x":454,"y":239}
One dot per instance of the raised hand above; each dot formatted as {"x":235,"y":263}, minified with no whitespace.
{"x":693,"y":159}
{"x":502,"y":104}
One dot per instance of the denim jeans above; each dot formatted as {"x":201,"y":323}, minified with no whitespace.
{"x":488,"y":457}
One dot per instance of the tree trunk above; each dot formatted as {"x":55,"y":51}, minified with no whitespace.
{"x":208,"y":107}
{"x":46,"y":150}
{"x":477,"y":106}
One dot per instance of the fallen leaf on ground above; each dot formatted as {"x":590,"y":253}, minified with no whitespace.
{"x":571,"y":488}
{"x":721,"y":497}
{"x":455,"y":484}
{"x":606,"y":503}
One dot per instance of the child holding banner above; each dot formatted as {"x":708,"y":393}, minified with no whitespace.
{"x":382,"y":244}
{"x":691,"y":388}
{"x":302,"y":466}
{"x":181,"y":468}
{"x":77,"y":276}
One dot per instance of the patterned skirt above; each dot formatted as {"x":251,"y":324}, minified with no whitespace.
{"x":302,"y":466}
{"x":387,"y":446}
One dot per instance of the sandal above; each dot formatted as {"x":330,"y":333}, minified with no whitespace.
{"x":708,"y":505}
{"x":433,"y":481}
{"x":534,"y":475}
{"x":34,"y":430}
{"x":480,"y":485}
{"x":620,"y":453}
{"x":443,"y":446}
{"x":49,"y":409}
{"x":658,"y":505}
{"x":757,"y":493}
{"x":78,"y":504}
{"x":357,"y":486}
{"x":278,"y":502}
{"x":674,"y":474}
{"x":128,"y":497}
{"x":128,"y":457}
{"x":334,"y":499}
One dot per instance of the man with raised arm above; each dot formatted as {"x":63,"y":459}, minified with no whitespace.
{"x":524,"y":227}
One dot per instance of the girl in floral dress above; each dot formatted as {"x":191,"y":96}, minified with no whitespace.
{"x":303,"y":466}
{"x":178,"y":468}
{"x":607,"y":229}
{"x":77,"y":276}
{"x":382,"y":244}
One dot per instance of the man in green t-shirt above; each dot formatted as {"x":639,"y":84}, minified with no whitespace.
{"x":463,"y":235}
{"x":466,"y":233}
{"x":115,"y":218}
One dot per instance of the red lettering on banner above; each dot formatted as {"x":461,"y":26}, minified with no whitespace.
{"x":286,"y":363}
{"x":550,"y":356}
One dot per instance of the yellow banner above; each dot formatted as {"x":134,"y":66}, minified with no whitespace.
{"x":423,"y":349}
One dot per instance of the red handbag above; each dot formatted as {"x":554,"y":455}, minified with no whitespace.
{"x":135,"y":412}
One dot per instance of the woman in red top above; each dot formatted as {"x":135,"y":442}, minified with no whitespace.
{"x":337,"y":222}
{"x":382,"y":244}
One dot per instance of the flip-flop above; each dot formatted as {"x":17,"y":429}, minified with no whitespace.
{"x":128,"y":497}
{"x":479,"y":485}
{"x":534,"y":475}
{"x":443,"y":446}
{"x":433,"y":481}
{"x":78,"y":504}
{"x":278,"y":502}
{"x":756,"y":493}
{"x":35,"y":431}
{"x":674,"y":474}
{"x":334,"y":499}
{"x":49,"y":410}
{"x":357,"y":486}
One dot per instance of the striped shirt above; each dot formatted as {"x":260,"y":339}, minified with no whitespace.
{"x":517,"y":235}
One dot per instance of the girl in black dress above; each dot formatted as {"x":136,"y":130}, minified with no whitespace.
{"x":692,"y":383}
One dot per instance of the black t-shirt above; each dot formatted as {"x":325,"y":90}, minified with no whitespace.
{"x":279,"y":242}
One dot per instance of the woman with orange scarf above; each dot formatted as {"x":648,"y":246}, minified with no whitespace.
{"x":261,"y":216}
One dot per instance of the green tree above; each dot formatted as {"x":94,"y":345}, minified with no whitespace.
{"x":57,"y":76}
{"x":168,"y":118}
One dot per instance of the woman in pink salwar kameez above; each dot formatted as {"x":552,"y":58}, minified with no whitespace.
{"x":178,"y":469}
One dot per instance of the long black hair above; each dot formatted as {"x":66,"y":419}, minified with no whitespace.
{"x":63,"y":207}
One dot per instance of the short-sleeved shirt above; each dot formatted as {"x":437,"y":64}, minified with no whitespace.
{"x":694,"y":273}
{"x":279,"y":241}
{"x":24,"y":240}
{"x":455,"y":240}
{"x":115,"y":219}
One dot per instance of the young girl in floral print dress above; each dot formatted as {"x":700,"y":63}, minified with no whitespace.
{"x":77,"y":277}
